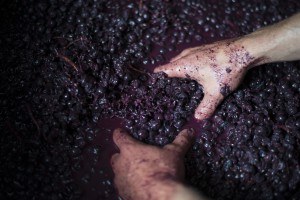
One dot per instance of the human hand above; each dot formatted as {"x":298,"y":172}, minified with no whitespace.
{"x":147,"y":172}
{"x":218,"y":67}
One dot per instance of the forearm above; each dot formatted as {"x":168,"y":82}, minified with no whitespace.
{"x":186,"y":193}
{"x":279,"y":42}
{"x":168,"y":190}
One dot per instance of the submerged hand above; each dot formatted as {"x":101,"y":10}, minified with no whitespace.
{"x":148,"y":172}
{"x":218,"y":67}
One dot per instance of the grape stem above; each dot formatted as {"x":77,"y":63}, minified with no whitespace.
{"x":67,"y":60}
{"x":135,"y":69}
{"x":35,"y":122}
{"x":140,"y":4}
{"x":74,"y":41}
{"x":77,"y":40}
{"x":283,"y":128}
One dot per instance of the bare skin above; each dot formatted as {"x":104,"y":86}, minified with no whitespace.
{"x":221,"y":66}
{"x":146,"y":172}
{"x":218,"y":67}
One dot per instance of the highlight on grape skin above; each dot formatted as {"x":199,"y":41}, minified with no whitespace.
{"x":67,"y":66}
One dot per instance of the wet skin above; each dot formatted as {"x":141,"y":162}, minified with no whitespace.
{"x":151,"y":172}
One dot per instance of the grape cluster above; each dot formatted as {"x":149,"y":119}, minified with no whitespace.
{"x":67,"y":66}
{"x":250,"y":147}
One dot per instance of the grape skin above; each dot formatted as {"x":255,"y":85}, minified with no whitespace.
{"x":85,"y":63}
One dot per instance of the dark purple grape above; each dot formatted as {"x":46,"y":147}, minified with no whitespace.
{"x":66,"y":75}
{"x":154,"y":125}
{"x":143,"y":134}
{"x":281,"y":117}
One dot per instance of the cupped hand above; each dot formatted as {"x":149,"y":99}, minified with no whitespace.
{"x":146,"y":172}
{"x":218,"y":67}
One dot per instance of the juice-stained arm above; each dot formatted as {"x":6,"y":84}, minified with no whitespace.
{"x":220,"y":67}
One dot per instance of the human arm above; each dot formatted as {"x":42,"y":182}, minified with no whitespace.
{"x":220,"y":67}
{"x":279,"y":42}
{"x":145,"y":172}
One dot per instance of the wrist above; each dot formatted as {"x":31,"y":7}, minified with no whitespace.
{"x":161,"y":187}
{"x":275,"y":43}
{"x":261,"y":44}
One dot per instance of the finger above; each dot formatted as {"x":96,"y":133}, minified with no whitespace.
{"x":171,"y":69}
{"x":175,"y":69}
{"x":122,"y":138}
{"x":114,"y":159}
{"x":122,"y":187}
{"x":182,"y":142}
{"x":182,"y":54}
{"x":207,"y":106}
{"x":116,"y":164}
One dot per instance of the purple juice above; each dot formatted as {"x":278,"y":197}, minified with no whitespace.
{"x":80,"y":71}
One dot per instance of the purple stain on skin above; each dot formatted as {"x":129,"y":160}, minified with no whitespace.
{"x":188,"y":76}
{"x":228,"y":70}
{"x":101,"y":80}
{"x":225,"y":90}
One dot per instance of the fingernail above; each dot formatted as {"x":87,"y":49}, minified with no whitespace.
{"x":191,"y":131}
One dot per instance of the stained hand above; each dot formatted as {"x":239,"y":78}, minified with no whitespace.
{"x":148,"y":172}
{"x":218,"y":67}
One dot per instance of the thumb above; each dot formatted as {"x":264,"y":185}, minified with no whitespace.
{"x":113,"y":159}
{"x":174,"y":69}
{"x":208,"y":105}
{"x":122,"y":138}
{"x":182,"y":142}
